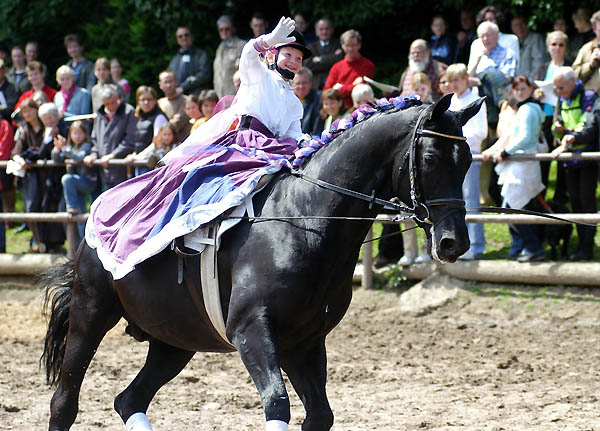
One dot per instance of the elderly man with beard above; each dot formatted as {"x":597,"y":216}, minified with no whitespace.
{"x":419,"y":60}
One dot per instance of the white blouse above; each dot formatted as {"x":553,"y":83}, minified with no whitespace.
{"x":265,"y":95}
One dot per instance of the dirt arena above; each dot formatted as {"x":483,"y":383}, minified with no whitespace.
{"x":496,"y":358}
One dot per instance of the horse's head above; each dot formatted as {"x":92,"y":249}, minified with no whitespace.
{"x":429,"y":177}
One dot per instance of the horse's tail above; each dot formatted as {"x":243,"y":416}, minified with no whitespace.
{"x":57,"y":283}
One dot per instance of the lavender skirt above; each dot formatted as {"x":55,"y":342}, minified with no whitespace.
{"x":140,"y":217}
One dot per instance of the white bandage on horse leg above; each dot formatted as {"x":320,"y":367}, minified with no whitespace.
{"x":138,"y":422}
{"x":276,"y":426}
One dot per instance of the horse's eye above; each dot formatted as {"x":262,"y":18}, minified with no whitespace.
{"x":431,"y":158}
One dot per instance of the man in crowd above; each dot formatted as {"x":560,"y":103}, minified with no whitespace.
{"x":227,"y":57}
{"x":36,"y":73}
{"x":112,"y":137}
{"x":31,"y":51}
{"x":493,"y":57}
{"x":419,"y":60}
{"x":326,"y":52}
{"x":585,"y":33}
{"x":8,"y":93}
{"x":586,"y":65}
{"x":191,"y":65}
{"x":82,"y":67}
{"x":574,"y":113}
{"x":349,"y":71}
{"x":17,"y":74}
{"x":311,"y":101}
{"x":173,"y":105}
{"x":258,"y":24}
{"x":532,"y":49}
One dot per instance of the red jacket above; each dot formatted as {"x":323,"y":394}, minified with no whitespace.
{"x":345,"y":72}
{"x":48,"y":91}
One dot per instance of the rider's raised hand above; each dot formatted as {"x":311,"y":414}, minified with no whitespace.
{"x":280,"y":34}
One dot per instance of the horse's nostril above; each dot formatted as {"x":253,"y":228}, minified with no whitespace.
{"x":448,"y":246}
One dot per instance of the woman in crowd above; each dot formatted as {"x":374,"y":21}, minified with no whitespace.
{"x":332,"y":104}
{"x":150,"y":120}
{"x":79,"y":180}
{"x":71,"y":99}
{"x":35,"y":143}
{"x":521,"y":181}
{"x":556,"y":42}
{"x":116,"y":73}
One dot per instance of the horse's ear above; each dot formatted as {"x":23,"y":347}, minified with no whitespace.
{"x":469,"y":111}
{"x":440,"y":107}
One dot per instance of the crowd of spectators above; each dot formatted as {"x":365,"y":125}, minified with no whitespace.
{"x":541,"y":96}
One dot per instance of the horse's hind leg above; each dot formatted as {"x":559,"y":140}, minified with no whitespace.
{"x":93,"y":312}
{"x":163,"y":363}
{"x":307,"y":370}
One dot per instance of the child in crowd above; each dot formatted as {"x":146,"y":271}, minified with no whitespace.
{"x":208,"y":101}
{"x":116,"y":71}
{"x":361,"y":94}
{"x":421,"y":86}
{"x":164,"y":143}
{"x":192,"y":109}
{"x":161,"y":145}
{"x":333,"y":106}
{"x":79,"y":181}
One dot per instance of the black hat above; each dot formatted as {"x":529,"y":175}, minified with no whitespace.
{"x":299,"y":43}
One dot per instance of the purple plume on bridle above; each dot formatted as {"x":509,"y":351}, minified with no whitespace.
{"x":307,"y":147}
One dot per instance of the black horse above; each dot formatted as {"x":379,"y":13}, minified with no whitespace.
{"x":284,"y":283}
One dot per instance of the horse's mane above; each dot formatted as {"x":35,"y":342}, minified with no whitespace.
{"x":308,"y":146}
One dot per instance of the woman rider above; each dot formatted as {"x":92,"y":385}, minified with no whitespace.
{"x":216,"y":168}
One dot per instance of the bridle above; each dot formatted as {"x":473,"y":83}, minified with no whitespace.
{"x":420,"y":208}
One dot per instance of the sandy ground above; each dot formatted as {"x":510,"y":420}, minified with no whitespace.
{"x":496,"y":358}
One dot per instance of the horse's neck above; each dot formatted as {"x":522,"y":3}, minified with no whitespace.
{"x":360,"y":159}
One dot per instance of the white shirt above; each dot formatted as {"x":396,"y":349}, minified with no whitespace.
{"x":265,"y":95}
{"x":476,"y":129}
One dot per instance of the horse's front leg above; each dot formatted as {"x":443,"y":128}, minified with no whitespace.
{"x":253,"y":338}
{"x":307,"y":370}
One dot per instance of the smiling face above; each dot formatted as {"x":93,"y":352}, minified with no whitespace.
{"x":332,"y":106}
{"x":302,"y":85}
{"x":290,"y":59}
{"x":29,"y":114}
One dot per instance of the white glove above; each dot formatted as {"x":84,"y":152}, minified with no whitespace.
{"x":280,"y":33}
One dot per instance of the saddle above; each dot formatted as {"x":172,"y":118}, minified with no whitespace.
{"x":204,"y":242}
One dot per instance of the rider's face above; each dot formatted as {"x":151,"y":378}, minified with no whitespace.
{"x":290,"y":59}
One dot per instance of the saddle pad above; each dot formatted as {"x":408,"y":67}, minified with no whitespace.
{"x":201,"y":241}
